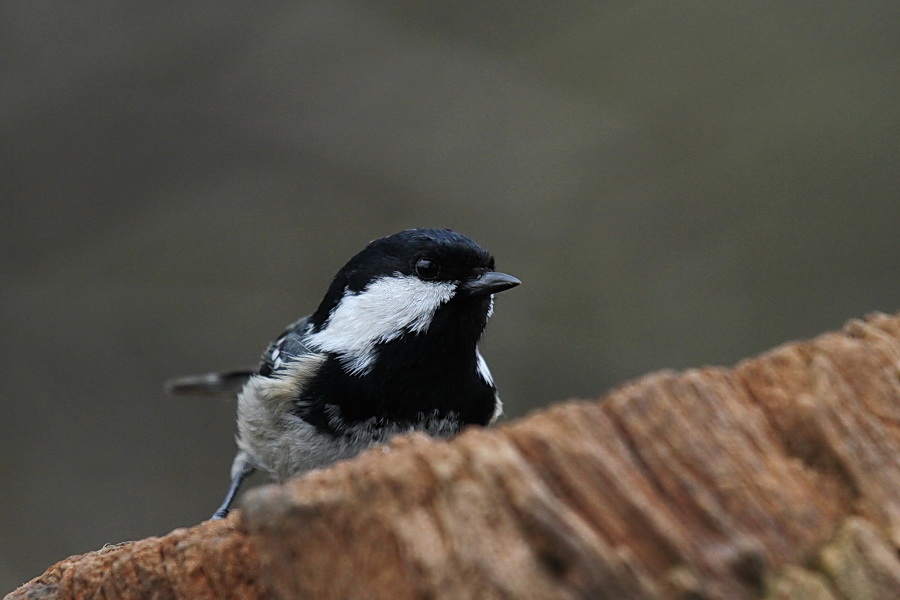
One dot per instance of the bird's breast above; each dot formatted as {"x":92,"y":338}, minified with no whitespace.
{"x":410,"y":395}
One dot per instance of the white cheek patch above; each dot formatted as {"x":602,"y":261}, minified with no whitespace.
{"x":485,"y":374}
{"x":482,"y":368}
{"x":386,"y":309}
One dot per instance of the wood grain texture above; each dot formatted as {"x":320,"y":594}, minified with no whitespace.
{"x":779,"y":478}
{"x":211,"y":560}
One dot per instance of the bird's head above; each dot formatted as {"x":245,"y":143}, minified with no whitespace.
{"x":407,"y":284}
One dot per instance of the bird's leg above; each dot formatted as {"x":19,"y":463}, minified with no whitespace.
{"x":240,"y":469}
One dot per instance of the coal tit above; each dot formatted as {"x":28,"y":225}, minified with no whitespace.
{"x":392,"y":348}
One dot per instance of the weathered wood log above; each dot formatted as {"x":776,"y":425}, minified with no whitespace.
{"x":779,"y":478}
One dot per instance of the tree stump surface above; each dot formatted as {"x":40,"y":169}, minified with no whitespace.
{"x":778,"y":479}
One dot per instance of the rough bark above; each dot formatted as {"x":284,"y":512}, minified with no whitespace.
{"x":779,"y":478}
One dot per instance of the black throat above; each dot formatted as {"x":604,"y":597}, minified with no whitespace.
{"x":413,"y":378}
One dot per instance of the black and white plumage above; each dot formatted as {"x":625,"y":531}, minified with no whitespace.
{"x":392,"y":348}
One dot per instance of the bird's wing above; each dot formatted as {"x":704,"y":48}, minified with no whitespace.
{"x":287,"y":347}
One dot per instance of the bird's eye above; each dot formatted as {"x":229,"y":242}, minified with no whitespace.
{"x":427,"y":269}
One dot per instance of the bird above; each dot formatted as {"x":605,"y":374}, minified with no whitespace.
{"x":392,"y":348}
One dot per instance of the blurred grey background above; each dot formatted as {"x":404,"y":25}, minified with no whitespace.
{"x":677,"y":184}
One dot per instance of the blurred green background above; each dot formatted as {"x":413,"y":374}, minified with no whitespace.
{"x":677,"y":184}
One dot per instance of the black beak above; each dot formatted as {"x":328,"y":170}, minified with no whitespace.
{"x":489,"y":283}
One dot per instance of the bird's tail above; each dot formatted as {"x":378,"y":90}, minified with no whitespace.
{"x":228,"y":383}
